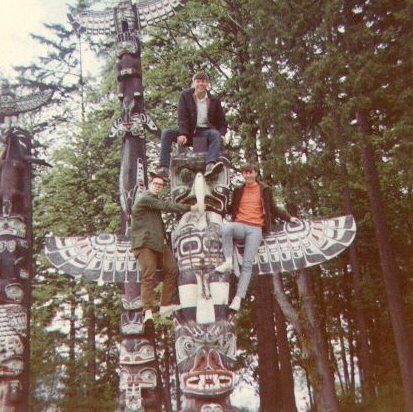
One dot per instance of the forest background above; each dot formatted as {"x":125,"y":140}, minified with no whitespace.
{"x":320,"y":93}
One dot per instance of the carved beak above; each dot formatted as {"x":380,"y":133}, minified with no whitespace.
{"x":200,"y":190}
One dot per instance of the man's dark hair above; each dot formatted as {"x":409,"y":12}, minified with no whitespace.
{"x":156,"y":176}
{"x":249,"y":167}
{"x":200,"y":76}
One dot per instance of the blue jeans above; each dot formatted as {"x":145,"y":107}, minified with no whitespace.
{"x":252,"y":235}
{"x":169,"y":136}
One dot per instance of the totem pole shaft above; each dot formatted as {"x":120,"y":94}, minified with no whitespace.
{"x":134,"y":391}
{"x":15,"y":270}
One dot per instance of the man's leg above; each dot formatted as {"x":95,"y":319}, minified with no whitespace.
{"x":147,"y":259}
{"x":230,"y":231}
{"x":253,"y":238}
{"x":214,"y":142}
{"x":214,"y":145}
{"x":170,"y":285}
{"x":167,"y":138}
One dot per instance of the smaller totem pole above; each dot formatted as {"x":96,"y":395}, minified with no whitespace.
{"x":15,"y":253}
{"x":107,"y":258}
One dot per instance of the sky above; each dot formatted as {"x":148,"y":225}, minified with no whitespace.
{"x":18,"y":18}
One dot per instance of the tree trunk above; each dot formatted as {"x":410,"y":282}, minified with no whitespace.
{"x":388,"y":265}
{"x":322,"y":377}
{"x":364,"y":352}
{"x":91,"y":344}
{"x":286,"y":370}
{"x":343,"y":355}
{"x":269,"y":379}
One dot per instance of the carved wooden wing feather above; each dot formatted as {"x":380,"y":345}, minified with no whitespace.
{"x":95,"y":22}
{"x":108,"y":21}
{"x":12,"y":106}
{"x":153,"y":11}
{"x":298,"y":246}
{"x":104,"y":258}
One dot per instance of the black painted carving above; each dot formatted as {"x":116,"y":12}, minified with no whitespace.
{"x":107,"y":258}
{"x":15,"y":267}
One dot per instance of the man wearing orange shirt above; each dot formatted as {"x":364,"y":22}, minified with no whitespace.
{"x":253,"y":212}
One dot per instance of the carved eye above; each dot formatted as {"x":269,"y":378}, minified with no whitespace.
{"x":189,"y":345}
{"x":148,"y":375}
{"x":227,"y":345}
{"x":147,"y":352}
{"x":185,"y":347}
{"x":187,"y":176}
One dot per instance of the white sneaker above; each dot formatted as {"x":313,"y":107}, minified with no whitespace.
{"x":224,"y":267}
{"x":235,"y":304}
{"x":148,"y":316}
{"x":166,"y":311}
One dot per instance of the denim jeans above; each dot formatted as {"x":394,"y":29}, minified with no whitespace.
{"x":252,"y":235}
{"x":169,"y":136}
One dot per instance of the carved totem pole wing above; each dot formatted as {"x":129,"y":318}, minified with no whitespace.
{"x":294,"y":247}
{"x":103,"y":258}
{"x":12,"y":106}
{"x":153,"y":11}
{"x":96,"y":22}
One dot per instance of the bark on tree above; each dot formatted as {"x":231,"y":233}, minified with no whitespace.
{"x":322,"y":377}
{"x":364,"y":346}
{"x":286,"y":370}
{"x":388,"y":264}
{"x":269,"y":375}
{"x":91,"y":343}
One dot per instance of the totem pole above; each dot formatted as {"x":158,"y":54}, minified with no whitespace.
{"x":204,"y":331}
{"x":107,"y":258}
{"x":16,"y":252}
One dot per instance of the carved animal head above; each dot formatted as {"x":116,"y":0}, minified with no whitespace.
{"x":137,"y":385}
{"x":187,"y":184}
{"x":206,"y":358}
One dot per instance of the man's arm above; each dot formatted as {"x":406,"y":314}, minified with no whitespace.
{"x":163,"y":205}
{"x":278,"y":212}
{"x":183,"y":116}
{"x":221,"y":122}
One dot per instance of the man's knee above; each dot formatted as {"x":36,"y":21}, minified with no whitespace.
{"x":168,"y":135}
{"x":214,"y":134}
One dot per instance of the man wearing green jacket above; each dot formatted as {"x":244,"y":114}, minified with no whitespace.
{"x":150,"y":248}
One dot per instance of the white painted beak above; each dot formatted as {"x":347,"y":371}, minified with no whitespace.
{"x":199,"y":190}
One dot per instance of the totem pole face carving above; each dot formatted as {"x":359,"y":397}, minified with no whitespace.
{"x":135,"y":384}
{"x":13,"y":327}
{"x":132,"y":322}
{"x":136,"y":352}
{"x":206,"y":357}
{"x":185,"y":172}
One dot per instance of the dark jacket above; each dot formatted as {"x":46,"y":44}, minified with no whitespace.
{"x":147,"y":225}
{"x":187,"y":114}
{"x":271,"y":212}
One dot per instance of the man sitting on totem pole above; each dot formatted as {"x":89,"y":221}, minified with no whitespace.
{"x":148,"y":243}
{"x":199,"y":115}
{"x":253,"y":211}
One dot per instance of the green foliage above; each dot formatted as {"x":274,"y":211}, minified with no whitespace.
{"x":292,"y":75}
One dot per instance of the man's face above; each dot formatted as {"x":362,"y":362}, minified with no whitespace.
{"x":200,"y":85}
{"x":156,"y":186}
{"x":250,"y":176}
